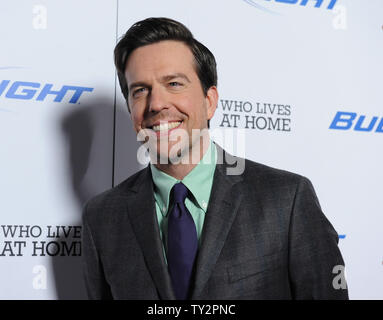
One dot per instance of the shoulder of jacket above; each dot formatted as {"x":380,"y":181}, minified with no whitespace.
{"x":113,"y":197}
{"x":265,"y":175}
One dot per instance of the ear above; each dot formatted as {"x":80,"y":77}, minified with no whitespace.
{"x":211,"y":101}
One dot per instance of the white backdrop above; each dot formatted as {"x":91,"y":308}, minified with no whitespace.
{"x":285,"y":69}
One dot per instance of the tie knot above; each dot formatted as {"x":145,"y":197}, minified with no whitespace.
{"x":180,"y":192}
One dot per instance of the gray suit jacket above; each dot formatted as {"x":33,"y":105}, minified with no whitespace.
{"x":264,"y":237}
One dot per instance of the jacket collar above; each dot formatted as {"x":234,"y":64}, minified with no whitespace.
{"x":221,"y":212}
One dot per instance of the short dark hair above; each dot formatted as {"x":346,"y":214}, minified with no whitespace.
{"x":154,"y":30}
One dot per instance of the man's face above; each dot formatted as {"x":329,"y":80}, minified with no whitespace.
{"x":165,"y":94}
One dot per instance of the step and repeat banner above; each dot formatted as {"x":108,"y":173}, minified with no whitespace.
{"x":299,"y":89}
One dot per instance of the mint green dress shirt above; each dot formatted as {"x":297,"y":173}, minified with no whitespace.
{"x":199,"y":182}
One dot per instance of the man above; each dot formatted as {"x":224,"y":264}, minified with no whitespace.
{"x":185,"y":227}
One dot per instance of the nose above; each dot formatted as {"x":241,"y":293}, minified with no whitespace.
{"x":157,"y":100}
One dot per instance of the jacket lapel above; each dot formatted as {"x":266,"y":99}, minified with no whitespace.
{"x":220,"y":215}
{"x":144,"y":222}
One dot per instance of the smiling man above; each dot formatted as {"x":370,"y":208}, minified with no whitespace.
{"x":186,"y":227}
{"x":167,"y":100}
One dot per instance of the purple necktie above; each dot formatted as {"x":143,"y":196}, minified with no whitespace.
{"x":182,"y":243}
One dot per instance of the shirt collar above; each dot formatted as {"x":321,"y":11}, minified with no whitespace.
{"x":199,"y":181}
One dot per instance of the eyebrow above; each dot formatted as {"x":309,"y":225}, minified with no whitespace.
{"x":163,"y":79}
{"x":174,"y":76}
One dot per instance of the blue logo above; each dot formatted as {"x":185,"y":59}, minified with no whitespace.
{"x":351,"y":121}
{"x":342,"y":236}
{"x":23,"y":90}
{"x":318,"y":3}
{"x":258,"y":6}
{"x":11,"y":67}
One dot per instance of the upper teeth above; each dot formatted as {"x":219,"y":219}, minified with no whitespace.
{"x":166,"y":126}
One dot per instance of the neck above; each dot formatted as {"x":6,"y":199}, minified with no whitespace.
{"x":181,"y":170}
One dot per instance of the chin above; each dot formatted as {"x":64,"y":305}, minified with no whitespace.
{"x":175,"y":154}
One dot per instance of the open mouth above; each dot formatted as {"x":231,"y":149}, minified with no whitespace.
{"x":166,"y":126}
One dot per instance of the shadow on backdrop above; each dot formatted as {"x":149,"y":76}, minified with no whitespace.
{"x":88,"y":136}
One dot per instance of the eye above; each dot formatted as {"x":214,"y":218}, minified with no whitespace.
{"x":138,"y":92}
{"x":175,"y":84}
